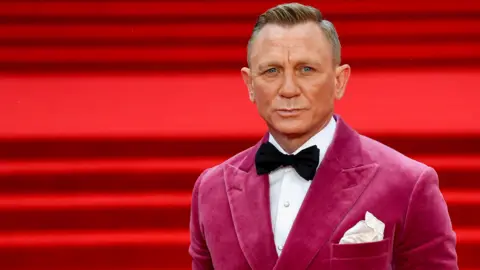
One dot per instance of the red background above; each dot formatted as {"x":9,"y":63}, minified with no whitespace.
{"x":109,"y":110}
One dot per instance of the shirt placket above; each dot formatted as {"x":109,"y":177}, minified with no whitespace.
{"x":285,"y":210}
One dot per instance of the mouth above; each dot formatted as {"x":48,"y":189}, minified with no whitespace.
{"x":289,"y":112}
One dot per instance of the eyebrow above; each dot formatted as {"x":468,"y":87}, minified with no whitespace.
{"x":301,"y":62}
{"x":306,"y":62}
{"x":264,"y":65}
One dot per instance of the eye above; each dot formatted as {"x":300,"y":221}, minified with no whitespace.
{"x":271,"y":70}
{"x":307,"y":69}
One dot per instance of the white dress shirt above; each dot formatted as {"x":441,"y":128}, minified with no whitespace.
{"x":288,"y":189}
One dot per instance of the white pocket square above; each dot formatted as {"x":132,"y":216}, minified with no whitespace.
{"x":369,"y":230}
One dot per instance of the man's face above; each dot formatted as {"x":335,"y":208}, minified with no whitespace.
{"x":292,"y":78}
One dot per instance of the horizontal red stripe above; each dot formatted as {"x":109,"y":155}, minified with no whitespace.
{"x":94,"y":238}
{"x":109,"y":238}
{"x":95,"y":201}
{"x":191,"y":55}
{"x":194,"y":165}
{"x":456,"y":162}
{"x":179,"y":199}
{"x":346,"y":29}
{"x":112,"y":165}
{"x":132,"y":8}
{"x":461,"y":197}
{"x":468,"y":235}
{"x":120,"y":54}
{"x":216,"y":104}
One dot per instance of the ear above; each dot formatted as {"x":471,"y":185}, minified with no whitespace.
{"x":247,"y":79}
{"x":342,"y":74}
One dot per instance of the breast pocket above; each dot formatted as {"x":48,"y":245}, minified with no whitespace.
{"x":372,"y":256}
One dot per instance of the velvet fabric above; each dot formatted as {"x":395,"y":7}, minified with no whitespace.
{"x":231,"y":225}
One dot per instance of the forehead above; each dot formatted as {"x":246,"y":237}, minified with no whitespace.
{"x":304,"y":40}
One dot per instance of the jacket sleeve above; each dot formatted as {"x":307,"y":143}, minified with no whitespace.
{"x":198,"y":248}
{"x":427,"y":240}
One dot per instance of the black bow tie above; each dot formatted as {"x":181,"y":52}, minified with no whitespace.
{"x":268,"y":158}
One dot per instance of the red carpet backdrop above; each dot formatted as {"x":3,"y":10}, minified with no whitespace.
{"x":110,"y":109}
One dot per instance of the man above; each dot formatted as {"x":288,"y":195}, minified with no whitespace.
{"x":313,"y":193}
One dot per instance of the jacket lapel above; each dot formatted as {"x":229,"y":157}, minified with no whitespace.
{"x":340,"y":180}
{"x":248,"y":195}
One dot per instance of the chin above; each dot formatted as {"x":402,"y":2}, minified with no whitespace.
{"x":290,"y":127}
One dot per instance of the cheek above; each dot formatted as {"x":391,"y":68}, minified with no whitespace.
{"x":324,"y":99}
{"x":265,"y":93}
{"x":319,"y":92}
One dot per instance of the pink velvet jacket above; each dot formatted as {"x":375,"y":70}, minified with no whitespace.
{"x":231,"y":225}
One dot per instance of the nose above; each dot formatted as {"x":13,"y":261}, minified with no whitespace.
{"x":289,"y":89}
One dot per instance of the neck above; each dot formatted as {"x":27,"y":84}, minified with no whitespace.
{"x":290,"y":143}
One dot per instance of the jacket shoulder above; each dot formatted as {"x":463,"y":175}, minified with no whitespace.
{"x":396,"y":162}
{"x":213,"y":176}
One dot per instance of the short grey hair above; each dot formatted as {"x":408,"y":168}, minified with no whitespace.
{"x":292,"y":14}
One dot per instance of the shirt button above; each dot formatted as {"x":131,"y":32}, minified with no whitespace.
{"x":286,"y":204}
{"x":280,"y":247}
